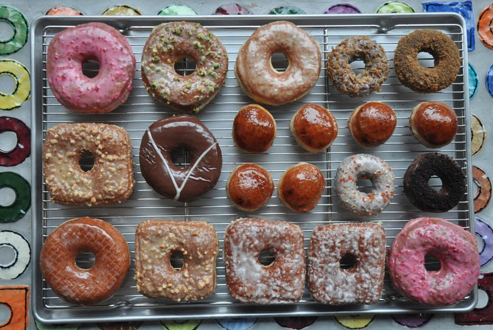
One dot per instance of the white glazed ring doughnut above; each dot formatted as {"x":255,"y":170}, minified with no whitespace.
{"x":22,"y":254}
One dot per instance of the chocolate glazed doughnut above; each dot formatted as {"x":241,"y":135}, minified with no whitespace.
{"x":183,"y":184}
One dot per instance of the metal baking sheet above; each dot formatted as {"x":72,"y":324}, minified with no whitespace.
{"x":140,"y":111}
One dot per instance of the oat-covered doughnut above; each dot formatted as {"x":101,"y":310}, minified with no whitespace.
{"x":109,"y":181}
{"x":345,"y":80}
{"x":260,"y":81}
{"x":418,"y":78}
{"x":172,"y":42}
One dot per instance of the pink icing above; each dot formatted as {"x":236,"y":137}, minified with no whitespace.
{"x":93,"y":41}
{"x":453,"y":246}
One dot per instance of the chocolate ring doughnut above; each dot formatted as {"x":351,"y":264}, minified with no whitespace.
{"x":424,"y":197}
{"x":22,"y":202}
{"x":22,"y":149}
{"x":483,"y":185}
{"x":183,"y":184}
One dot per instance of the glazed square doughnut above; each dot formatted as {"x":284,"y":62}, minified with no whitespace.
{"x":249,"y":280}
{"x":357,"y":280}
{"x":156,"y":241}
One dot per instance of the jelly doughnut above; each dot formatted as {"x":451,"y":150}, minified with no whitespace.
{"x":177,"y":10}
{"x":479,"y":316}
{"x":369,"y":167}
{"x":16,"y":299}
{"x":22,"y":254}
{"x":232,"y":9}
{"x":172,"y":42}
{"x":61,"y":10}
{"x":198,"y":245}
{"x":22,"y":149}
{"x":483,"y":186}
{"x":485,"y":232}
{"x":412,"y":320}
{"x":335,"y":283}
{"x":345,"y":80}
{"x":78,"y":285}
{"x":22,"y":90}
{"x":421,"y":79}
{"x":342,"y":8}
{"x":392,"y":7}
{"x":286,"y":10}
{"x":109,"y":181}
{"x":181,"y":183}
{"x":485,"y":26}
{"x":473,"y":81}
{"x":260,"y":81}
{"x":18,"y":22}
{"x":489,"y":80}
{"x":422,"y":195}
{"x":251,"y":281}
{"x":122,"y":10}
{"x":478,"y":135}
{"x":254,"y":129}
{"x":22,"y":202}
{"x":372,"y":123}
{"x":456,"y":250}
{"x":67,"y":52}
{"x":355,"y":321}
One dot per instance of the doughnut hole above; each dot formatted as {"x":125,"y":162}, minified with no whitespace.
{"x":279,"y":62}
{"x":8,"y":141}
{"x":358,"y":63}
{"x":7,"y":255}
{"x":177,"y":260}
{"x":427,"y":59}
{"x":7,"y":196}
{"x":85,"y":259}
{"x":364,"y":184}
{"x":6,"y":32}
{"x":90,"y":68}
{"x":86,"y":161}
{"x":7,"y":83}
{"x":435,"y":183}
{"x":348,"y":261}
{"x":185,"y":66}
{"x":266,"y":258}
{"x":432,"y":263}
{"x":5,"y":315}
{"x":180,"y":157}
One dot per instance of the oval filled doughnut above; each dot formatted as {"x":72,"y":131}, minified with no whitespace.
{"x":66,"y":278}
{"x":260,"y":81}
{"x":67,"y":52}
{"x":254,"y":129}
{"x":433,"y":124}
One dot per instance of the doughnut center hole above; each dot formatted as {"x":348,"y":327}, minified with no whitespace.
{"x":483,"y":299}
{"x":348,"y":261}
{"x":432,"y":264}
{"x":266,"y":258}
{"x":426,"y":59}
{"x":358,"y":64}
{"x":364,"y":183}
{"x":6,"y":31}
{"x":177,"y":260}
{"x":279,"y":62}
{"x":435,"y":183}
{"x":7,"y":83}
{"x":5,"y":314}
{"x":180,"y":157}
{"x":85,"y":259}
{"x":86,"y":161}
{"x":7,"y":196}
{"x":8,"y":141}
{"x":7,"y":255}
{"x":185,"y":66}
{"x":90,"y":68}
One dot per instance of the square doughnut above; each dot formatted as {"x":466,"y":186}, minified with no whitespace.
{"x":248,"y":280}
{"x":363,"y":245}
{"x":156,"y":241}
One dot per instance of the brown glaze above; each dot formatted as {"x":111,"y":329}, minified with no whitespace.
{"x":180,"y":183}
{"x":301,"y":187}
{"x":249,"y":187}
{"x":434,"y":124}
{"x":372,"y":124}
{"x":254,"y":129}
{"x":314,"y":127}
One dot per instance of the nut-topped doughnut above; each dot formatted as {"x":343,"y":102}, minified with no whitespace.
{"x":109,"y":181}
{"x":171,"y":42}
{"x":260,"y":81}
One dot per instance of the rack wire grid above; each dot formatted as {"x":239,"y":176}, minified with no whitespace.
{"x":141,"y":110}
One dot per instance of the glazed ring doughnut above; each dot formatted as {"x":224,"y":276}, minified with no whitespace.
{"x":22,"y":202}
{"x":67,"y":52}
{"x":342,"y":75}
{"x":81,"y":285}
{"x":424,"y":197}
{"x":22,"y":149}
{"x":19,"y":24}
{"x":260,"y":81}
{"x":418,"y":78}
{"x":454,"y":247}
{"x":22,"y":89}
{"x":483,"y":185}
{"x":368,"y":167}
{"x":22,"y":254}
{"x":172,"y":42}
{"x":109,"y":181}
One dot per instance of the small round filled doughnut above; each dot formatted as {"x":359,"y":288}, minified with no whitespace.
{"x":485,"y":25}
{"x":254,"y":129}
{"x":61,"y":10}
{"x":18,"y":22}
{"x":22,"y":149}
{"x":372,"y":123}
{"x":22,"y":201}
{"x":251,"y":280}
{"x":22,"y":254}
{"x":22,"y":91}
{"x":314,"y":128}
{"x":368,"y":167}
{"x":483,"y":186}
{"x":301,"y":187}
{"x":79,"y":285}
{"x":418,"y":78}
{"x":67,"y":52}
{"x":180,"y":183}
{"x":249,"y":187}
{"x":456,"y":250}
{"x":109,"y":181}
{"x":260,"y":81}
{"x":345,"y":80}
{"x":422,"y":195}
{"x":172,"y":42}
{"x":122,"y":10}
{"x":433,"y":124}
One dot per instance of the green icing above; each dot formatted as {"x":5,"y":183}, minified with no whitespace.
{"x":177,"y":10}
{"x":19,"y":24}
{"x":22,"y":202}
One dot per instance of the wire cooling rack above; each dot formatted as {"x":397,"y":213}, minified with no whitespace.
{"x":141,"y":110}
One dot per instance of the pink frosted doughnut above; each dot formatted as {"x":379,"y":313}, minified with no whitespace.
{"x":93,"y":41}
{"x":453,"y":246}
